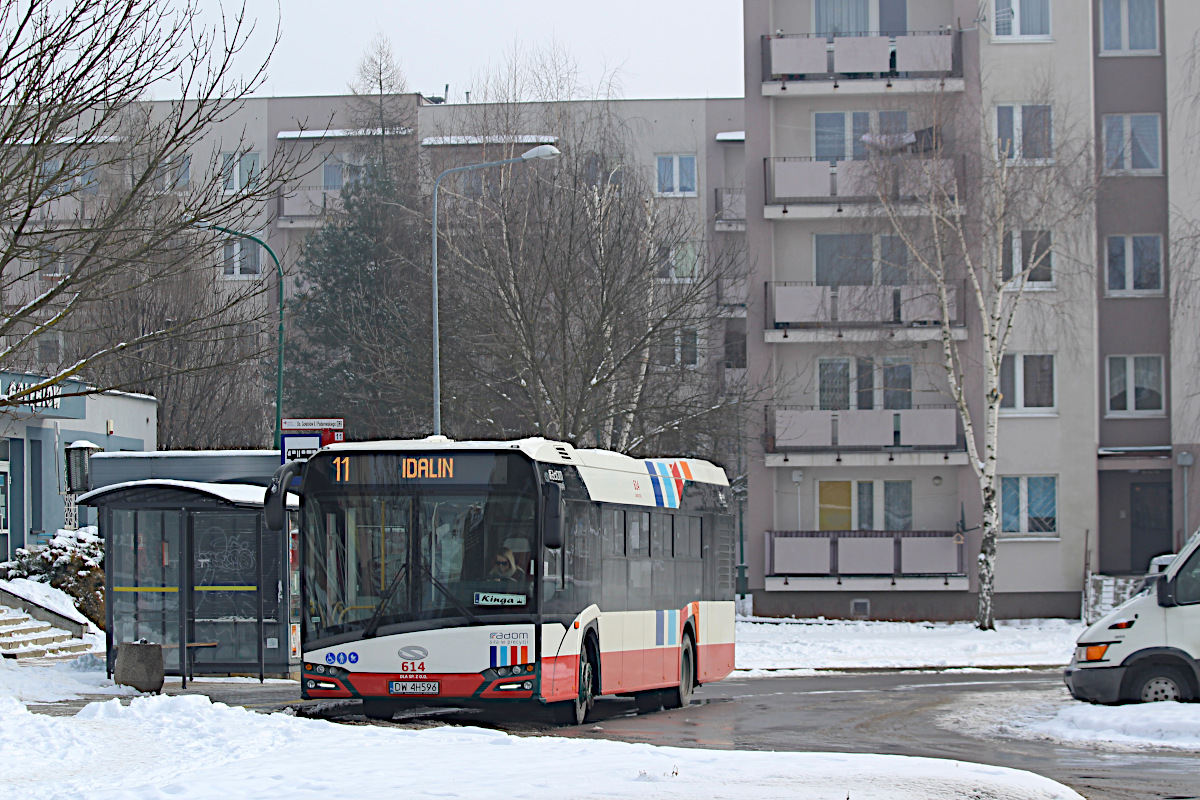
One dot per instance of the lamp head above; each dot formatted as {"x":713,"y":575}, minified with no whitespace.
{"x":542,"y":151}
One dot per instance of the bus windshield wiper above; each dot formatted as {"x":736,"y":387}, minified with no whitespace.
{"x":377,"y":617}
{"x":471,"y":615}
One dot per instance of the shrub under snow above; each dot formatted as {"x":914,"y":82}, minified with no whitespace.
{"x":73,"y":561}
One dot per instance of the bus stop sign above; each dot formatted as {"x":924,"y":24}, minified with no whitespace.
{"x":304,"y":437}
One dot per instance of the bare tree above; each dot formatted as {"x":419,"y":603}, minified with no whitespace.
{"x":987,"y":216}
{"x":103,"y":191}
{"x":578,"y":304}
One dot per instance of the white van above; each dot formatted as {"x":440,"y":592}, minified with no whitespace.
{"x":1147,"y":648}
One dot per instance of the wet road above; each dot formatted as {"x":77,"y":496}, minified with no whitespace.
{"x":969,"y":716}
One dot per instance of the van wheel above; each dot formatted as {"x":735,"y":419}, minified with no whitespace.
{"x":1159,"y":683}
{"x":681,"y":695}
{"x":574,"y":712}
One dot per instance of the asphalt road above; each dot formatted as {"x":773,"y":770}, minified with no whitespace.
{"x":965,"y":716}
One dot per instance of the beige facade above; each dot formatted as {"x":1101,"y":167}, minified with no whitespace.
{"x":1093,"y":462}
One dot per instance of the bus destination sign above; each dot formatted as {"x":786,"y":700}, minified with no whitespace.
{"x":433,"y":468}
{"x":436,"y":467}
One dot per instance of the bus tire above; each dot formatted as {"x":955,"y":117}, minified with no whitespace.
{"x":679,"y":696}
{"x":574,"y":712}
{"x":378,"y":709}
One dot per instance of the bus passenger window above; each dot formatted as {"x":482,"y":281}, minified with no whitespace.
{"x":637,"y":527}
{"x":614,"y":533}
{"x":660,"y":535}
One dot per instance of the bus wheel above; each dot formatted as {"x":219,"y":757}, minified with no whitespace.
{"x":681,"y":695}
{"x":378,"y":709}
{"x":574,"y":712}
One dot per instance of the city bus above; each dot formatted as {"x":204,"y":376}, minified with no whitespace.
{"x":443,"y":572}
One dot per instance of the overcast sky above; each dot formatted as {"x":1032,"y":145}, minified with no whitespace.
{"x":659,"y":48}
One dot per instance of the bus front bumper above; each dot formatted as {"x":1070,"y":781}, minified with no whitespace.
{"x":334,"y":683}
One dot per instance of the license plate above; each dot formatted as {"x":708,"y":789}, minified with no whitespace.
{"x":413,"y":687}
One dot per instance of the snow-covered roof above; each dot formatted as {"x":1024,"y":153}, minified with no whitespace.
{"x":337,"y":133}
{"x":523,"y":138}
{"x":240,"y":494}
{"x":184,"y":453}
{"x":731,"y":136}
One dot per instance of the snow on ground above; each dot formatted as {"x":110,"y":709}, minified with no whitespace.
{"x":68,"y":680}
{"x":186,"y":747}
{"x":1052,"y":715}
{"x":789,"y":644}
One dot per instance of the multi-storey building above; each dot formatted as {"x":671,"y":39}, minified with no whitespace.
{"x":862,"y":500}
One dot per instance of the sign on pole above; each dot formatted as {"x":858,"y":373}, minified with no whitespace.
{"x":302,"y":437}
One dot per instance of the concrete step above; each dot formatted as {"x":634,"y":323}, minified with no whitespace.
{"x":26,"y":638}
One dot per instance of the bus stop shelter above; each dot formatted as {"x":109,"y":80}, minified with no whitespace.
{"x":191,"y":566}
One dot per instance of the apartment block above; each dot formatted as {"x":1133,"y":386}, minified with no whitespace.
{"x":862,"y":499}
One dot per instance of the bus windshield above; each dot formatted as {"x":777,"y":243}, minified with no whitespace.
{"x":417,"y":552}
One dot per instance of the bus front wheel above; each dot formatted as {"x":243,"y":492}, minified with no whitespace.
{"x":574,"y":712}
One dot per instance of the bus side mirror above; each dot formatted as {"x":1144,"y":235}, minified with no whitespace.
{"x":1166,"y":592}
{"x":552,"y":516}
{"x":275,"y":499}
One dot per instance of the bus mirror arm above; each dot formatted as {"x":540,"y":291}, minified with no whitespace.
{"x":552,"y":518}
{"x":275,"y":498}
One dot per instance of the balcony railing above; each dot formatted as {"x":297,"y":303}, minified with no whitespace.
{"x":731,"y":208}
{"x":800,"y":180}
{"x":308,"y":201}
{"x":866,"y":554}
{"x":808,"y":429}
{"x":862,"y":55}
{"x":804,"y":304}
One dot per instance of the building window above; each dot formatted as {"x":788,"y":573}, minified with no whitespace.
{"x":1142,"y":374}
{"x":1134,"y":264}
{"x":239,"y":173}
{"x":677,"y":262}
{"x":1033,"y":250}
{"x":851,"y":383}
{"x":851,"y":505}
{"x":241,"y":257}
{"x":332,"y":176}
{"x":174,"y":173}
{"x":49,"y":348}
{"x":1029,"y":505}
{"x":1027,"y":382}
{"x":860,"y":259}
{"x":53,"y":266}
{"x":1025,"y":132}
{"x":840,"y":17}
{"x":676,"y":348}
{"x":1129,"y":26}
{"x":1026,"y":19}
{"x":735,"y":343}
{"x":897,"y":506}
{"x":838,"y":135}
{"x":87,"y":180}
{"x":677,"y":175}
{"x":1132,"y":144}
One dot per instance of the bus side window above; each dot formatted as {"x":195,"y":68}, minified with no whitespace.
{"x":660,"y":535}
{"x":614,"y":532}
{"x":637,"y":526}
{"x":695,"y":537}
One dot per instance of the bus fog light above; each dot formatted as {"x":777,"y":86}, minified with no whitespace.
{"x":527,"y":685}
{"x":312,"y":684}
{"x":502,"y":671}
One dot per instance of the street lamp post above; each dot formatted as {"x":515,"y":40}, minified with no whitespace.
{"x":544,"y":151}
{"x":279,"y":354}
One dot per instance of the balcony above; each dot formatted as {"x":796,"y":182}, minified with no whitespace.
{"x":304,"y":206}
{"x":731,"y":209}
{"x":861,"y":560}
{"x":806,"y":429}
{"x":805,"y":312}
{"x":805,"y":187}
{"x":861,"y":63}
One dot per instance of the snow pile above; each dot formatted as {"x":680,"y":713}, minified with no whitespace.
{"x":50,"y":684}
{"x":135,"y":752}
{"x":73,"y":561}
{"x":46,"y":596}
{"x":770,"y":644}
{"x":1175,"y":725}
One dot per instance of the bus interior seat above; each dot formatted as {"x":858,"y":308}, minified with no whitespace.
{"x":520,"y":551}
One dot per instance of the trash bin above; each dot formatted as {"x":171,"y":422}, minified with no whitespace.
{"x":140,"y":665}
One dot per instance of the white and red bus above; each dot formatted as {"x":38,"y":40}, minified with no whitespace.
{"x":435,"y":571}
